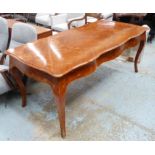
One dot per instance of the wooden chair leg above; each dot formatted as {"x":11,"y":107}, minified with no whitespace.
{"x":17,"y":76}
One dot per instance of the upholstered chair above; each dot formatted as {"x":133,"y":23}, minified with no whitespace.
{"x":58,"y":22}
{"x":5,"y":84}
{"x":4,"y":34}
{"x":89,"y":18}
{"x":43,"y":19}
{"x":84,"y":18}
{"x":76,"y":19}
{"x":62,"y":22}
{"x":22,"y":33}
{"x":93,"y":17}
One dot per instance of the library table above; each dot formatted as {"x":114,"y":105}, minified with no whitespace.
{"x":60,"y":59}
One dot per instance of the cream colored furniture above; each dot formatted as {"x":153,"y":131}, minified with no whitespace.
{"x":92,"y":17}
{"x":76,"y":19}
{"x":59,"y":22}
{"x":21,"y":34}
{"x":4,"y":35}
{"x":62,"y":22}
{"x":43,"y":19}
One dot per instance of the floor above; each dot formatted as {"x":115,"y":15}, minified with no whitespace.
{"x":114,"y":103}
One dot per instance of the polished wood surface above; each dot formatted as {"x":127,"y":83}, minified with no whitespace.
{"x":42,"y":32}
{"x":76,"y":47}
{"x":73,"y":54}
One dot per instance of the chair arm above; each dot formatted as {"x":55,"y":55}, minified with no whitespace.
{"x":77,"y":19}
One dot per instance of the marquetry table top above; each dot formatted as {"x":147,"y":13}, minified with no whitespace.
{"x":61,"y":53}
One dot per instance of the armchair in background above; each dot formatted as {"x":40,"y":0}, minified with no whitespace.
{"x":43,"y":19}
{"x":62,"y":22}
{"x":5,"y":82}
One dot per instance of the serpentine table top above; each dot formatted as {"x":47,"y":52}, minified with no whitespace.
{"x":69,"y":55}
{"x":59,"y":54}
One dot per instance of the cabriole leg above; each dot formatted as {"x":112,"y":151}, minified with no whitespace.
{"x":59,"y":93}
{"x":141,"y":46}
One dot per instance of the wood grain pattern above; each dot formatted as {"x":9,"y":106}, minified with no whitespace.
{"x":76,"y":47}
{"x":73,"y":54}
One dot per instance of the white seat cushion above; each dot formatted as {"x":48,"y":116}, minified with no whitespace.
{"x":78,"y":23}
{"x":4,"y":68}
{"x":23,"y":33}
{"x":61,"y":27}
{"x":43,"y":20}
{"x":73,"y":16}
{"x":3,"y":85}
{"x":91,"y":19}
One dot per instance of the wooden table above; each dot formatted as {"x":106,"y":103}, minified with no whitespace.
{"x":73,"y":54}
{"x":41,"y":31}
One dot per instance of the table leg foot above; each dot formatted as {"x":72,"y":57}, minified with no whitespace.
{"x":59,"y":93}
{"x":17,"y":76}
{"x":61,"y":113}
{"x":141,"y":46}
